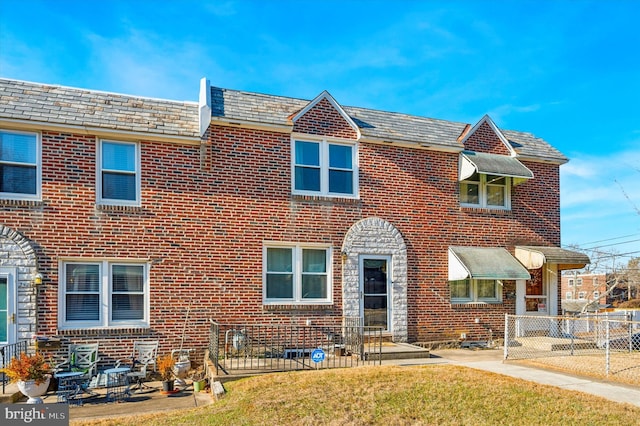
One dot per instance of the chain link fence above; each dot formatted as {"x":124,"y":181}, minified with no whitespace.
{"x":598,"y":345}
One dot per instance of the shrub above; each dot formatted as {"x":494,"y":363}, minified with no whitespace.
{"x":27,"y":367}
{"x":165,"y":366}
{"x":633,"y":303}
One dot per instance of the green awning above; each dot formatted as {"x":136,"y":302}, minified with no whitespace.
{"x":492,"y":164}
{"x":533,"y":257}
{"x":484,"y":263}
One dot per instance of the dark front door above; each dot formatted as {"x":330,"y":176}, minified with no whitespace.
{"x":375,"y":291}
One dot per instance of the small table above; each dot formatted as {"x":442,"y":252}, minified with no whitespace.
{"x":117,"y":384}
{"x":70,"y":387}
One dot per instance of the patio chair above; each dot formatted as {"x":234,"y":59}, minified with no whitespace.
{"x":81,"y":358}
{"x":143,"y":359}
{"x":75,"y":373}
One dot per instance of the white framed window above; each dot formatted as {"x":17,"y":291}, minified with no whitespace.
{"x":118,"y":179}
{"x":596,"y":295}
{"x":470,"y":290}
{"x":20,"y":165}
{"x":101,"y":293}
{"x":297,"y":274}
{"x":568,"y":295}
{"x":323,"y":167}
{"x":582,"y":295}
{"x":570,"y":281}
{"x":579,"y":282}
{"x":486,"y":191}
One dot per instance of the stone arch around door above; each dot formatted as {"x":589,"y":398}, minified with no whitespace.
{"x":376,"y":236}
{"x":18,"y":256}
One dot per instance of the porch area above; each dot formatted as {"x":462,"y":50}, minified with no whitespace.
{"x":241,"y":349}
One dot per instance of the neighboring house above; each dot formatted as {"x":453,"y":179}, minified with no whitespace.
{"x":142,"y":215}
{"x":589,"y":287}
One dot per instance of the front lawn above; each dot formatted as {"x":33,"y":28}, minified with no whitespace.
{"x":392,"y":395}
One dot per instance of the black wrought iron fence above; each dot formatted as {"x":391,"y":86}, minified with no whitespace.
{"x":7,"y":353}
{"x":235,"y":348}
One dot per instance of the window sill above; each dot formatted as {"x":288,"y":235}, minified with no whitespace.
{"x":297,"y":307}
{"x":476,"y":305}
{"x":104,"y":331}
{"x":118,"y":208}
{"x":485,"y":210}
{"x":21,"y":203}
{"x":325,"y":199}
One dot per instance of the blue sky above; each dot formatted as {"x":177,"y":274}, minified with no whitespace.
{"x":567,"y":71}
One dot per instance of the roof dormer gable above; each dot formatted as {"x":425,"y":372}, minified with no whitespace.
{"x":323,"y":116}
{"x":486,"y":137}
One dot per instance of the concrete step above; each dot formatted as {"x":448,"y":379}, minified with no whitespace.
{"x":11,"y":394}
{"x":391,"y":351}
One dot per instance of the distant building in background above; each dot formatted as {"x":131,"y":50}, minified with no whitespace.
{"x":592,"y":287}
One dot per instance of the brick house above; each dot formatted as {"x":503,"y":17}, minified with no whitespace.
{"x":591,"y":287}
{"x":126,"y":218}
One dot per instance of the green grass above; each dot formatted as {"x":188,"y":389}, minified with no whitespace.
{"x":420,"y":395}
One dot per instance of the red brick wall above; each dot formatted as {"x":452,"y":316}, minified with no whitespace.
{"x":484,"y":139}
{"x":322,"y":119}
{"x":204,"y":230}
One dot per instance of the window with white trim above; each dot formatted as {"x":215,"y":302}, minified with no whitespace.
{"x":470,"y":290}
{"x":297,"y":274}
{"x":582,"y":295}
{"x":324,"y":168}
{"x":97,"y":293}
{"x":596,"y":295}
{"x":20,"y":165}
{"x":118,"y":173}
{"x":579,"y":282}
{"x":570,"y":281}
{"x":569,"y":295}
{"x":487,"y":191}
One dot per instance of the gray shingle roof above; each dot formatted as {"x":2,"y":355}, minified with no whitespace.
{"x":66,"y":106}
{"x":380,"y":125}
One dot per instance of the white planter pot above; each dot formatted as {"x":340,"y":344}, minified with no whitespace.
{"x":34,"y":391}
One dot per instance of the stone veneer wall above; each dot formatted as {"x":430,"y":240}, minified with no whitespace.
{"x":17,"y":253}
{"x":375,"y":236}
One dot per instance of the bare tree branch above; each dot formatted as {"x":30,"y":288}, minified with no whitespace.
{"x":627,"y":197}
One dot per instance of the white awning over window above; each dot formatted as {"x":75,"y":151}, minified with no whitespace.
{"x":533,"y":257}
{"x":492,"y":164}
{"x":484,"y":263}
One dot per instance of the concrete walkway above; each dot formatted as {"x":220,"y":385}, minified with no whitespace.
{"x":491,"y":360}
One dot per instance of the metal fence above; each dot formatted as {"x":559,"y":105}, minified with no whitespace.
{"x":7,"y":353}
{"x":254,"y":348}
{"x":601,"y":345}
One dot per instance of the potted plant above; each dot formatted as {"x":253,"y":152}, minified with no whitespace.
{"x":165,"y":368}
{"x":32,"y":375}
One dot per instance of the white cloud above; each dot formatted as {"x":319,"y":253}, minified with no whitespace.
{"x":600,"y":196}
{"x":143,"y":63}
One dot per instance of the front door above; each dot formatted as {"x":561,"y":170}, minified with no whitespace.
{"x":536,"y":294}
{"x":374,"y":285}
{"x":7,"y":306}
